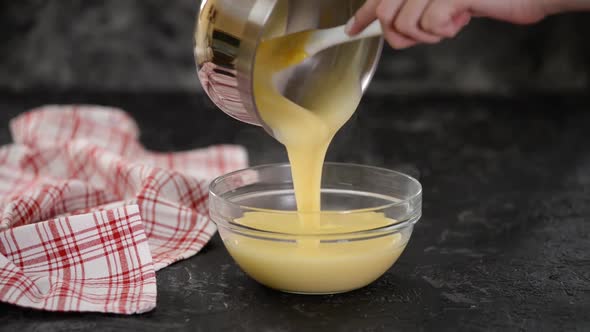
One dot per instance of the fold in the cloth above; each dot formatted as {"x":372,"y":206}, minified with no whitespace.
{"x":79,"y":196}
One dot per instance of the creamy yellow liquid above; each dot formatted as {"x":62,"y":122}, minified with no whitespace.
{"x":308,"y":266}
{"x":311,"y":267}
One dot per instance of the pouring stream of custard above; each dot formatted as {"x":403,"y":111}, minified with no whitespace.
{"x":309,"y":265}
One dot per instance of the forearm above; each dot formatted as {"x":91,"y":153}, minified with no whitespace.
{"x":560,"y":6}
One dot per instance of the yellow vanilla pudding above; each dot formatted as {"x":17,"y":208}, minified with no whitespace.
{"x":310,"y":266}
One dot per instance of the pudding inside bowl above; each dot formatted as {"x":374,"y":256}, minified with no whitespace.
{"x":365,"y":224}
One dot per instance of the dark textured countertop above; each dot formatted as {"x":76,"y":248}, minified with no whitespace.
{"x":504,"y":242}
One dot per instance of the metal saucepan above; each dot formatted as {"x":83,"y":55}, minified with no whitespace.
{"x":228,"y":33}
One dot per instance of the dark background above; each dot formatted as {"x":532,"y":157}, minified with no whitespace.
{"x":125,"y":45}
{"x":494,"y":123}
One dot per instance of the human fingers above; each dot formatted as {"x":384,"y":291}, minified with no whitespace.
{"x":407,"y":21}
{"x":387,"y":11}
{"x":446,"y":17}
{"x":363,"y":17}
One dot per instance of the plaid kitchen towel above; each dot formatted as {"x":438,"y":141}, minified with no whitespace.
{"x":87,"y":215}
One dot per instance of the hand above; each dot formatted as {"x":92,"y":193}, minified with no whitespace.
{"x":409,"y":22}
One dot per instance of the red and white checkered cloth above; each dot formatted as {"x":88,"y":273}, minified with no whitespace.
{"x":87,"y":215}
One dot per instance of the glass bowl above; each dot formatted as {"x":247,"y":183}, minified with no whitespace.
{"x":367,"y":218}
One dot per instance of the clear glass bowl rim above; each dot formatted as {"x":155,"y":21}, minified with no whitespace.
{"x":401,"y":224}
